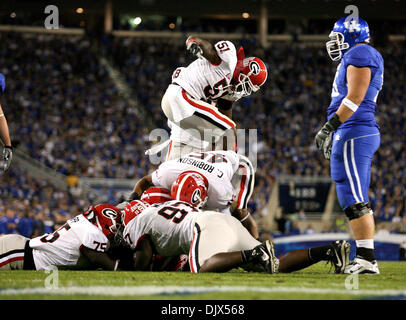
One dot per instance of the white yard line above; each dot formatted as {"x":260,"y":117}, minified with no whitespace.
{"x":177,"y":290}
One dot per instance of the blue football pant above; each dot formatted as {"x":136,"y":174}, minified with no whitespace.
{"x":351,"y":157}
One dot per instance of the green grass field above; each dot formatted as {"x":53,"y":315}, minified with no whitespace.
{"x":313,"y":283}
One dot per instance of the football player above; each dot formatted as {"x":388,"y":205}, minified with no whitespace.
{"x":198,"y":102}
{"x":153,"y":195}
{"x":214,"y":242}
{"x":207,"y":180}
{"x":351,"y":135}
{"x":4,"y":132}
{"x":81,"y":243}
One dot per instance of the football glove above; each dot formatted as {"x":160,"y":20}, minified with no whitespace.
{"x":193,"y":47}
{"x":118,"y":240}
{"x":7,"y":157}
{"x":324,"y":138}
{"x":133,"y":196}
{"x":2,"y":82}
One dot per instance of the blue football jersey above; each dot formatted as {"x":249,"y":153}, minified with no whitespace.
{"x":359,"y":56}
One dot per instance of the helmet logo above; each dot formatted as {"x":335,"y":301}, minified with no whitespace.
{"x":109,"y":213}
{"x":89,"y":214}
{"x":254,"y":67}
{"x":352,"y":25}
{"x":196,"y":196}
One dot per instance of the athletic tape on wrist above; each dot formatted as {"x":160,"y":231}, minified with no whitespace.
{"x":348,"y":103}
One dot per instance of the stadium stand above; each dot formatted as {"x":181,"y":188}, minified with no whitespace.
{"x":62,"y":105}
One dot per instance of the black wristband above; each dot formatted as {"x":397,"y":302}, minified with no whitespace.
{"x":8,"y":147}
{"x":334,"y":122}
{"x":134,"y":196}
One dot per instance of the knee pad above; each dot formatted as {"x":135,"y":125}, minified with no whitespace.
{"x":357,"y":210}
{"x":371,"y":212}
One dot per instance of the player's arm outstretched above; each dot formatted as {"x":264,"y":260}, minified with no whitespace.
{"x":142,"y":185}
{"x":202,"y":48}
{"x":358,"y":80}
{"x":99,"y":259}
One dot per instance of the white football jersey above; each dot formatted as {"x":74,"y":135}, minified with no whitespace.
{"x":62,"y":247}
{"x":170,"y":226}
{"x":204,"y":80}
{"x":217,"y":166}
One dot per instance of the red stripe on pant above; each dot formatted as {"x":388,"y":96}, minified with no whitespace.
{"x":242,"y":186}
{"x":207,"y":109}
{"x":169,"y":150}
{"x":191,"y":256}
{"x":11,"y":260}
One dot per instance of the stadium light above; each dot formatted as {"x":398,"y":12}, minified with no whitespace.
{"x":79,"y":10}
{"x":13,"y":15}
{"x":137,"y":21}
{"x":245,"y":15}
{"x":171,"y":26}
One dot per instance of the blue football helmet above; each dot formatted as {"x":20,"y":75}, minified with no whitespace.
{"x":347,"y":32}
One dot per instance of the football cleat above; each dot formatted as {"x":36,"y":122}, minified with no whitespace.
{"x":362,"y":266}
{"x":339,"y":255}
{"x":264,"y":255}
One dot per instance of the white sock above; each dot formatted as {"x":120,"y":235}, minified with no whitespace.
{"x":367,"y":243}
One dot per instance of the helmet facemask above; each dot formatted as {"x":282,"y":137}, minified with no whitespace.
{"x":198,"y":199}
{"x":112,"y":228}
{"x":336,"y":45}
{"x":244,"y":87}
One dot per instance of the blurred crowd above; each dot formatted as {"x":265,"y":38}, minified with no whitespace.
{"x":31,"y":206}
{"x":65,"y":111}
{"x":63,"y":107}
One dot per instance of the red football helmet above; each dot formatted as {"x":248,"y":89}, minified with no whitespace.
{"x":191,"y":187}
{"x":106,"y":217}
{"x":250,"y":74}
{"x":133,"y":209}
{"x":156,"y":195}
